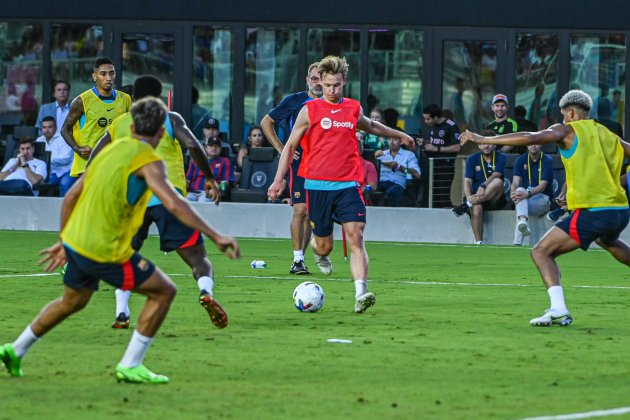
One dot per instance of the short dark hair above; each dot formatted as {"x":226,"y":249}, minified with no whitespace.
{"x":128,"y":89}
{"x":195,"y":95}
{"x":102,"y":60}
{"x":27,"y":140}
{"x":433,"y":110}
{"x":146,"y":85}
{"x":61,"y":81}
{"x":49,"y":118}
{"x":148,"y":116}
{"x":520,"y":112}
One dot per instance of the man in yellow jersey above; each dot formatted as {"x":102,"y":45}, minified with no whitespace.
{"x":174,"y":235}
{"x":115,"y":191}
{"x":91,"y":112}
{"x":592,"y":156}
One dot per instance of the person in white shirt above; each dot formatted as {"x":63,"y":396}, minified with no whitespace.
{"x":22,"y":172}
{"x":58,"y":109}
{"x":397,"y":167}
{"x":61,"y":156}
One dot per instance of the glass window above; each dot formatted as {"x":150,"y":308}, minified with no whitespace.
{"x":536,"y":78}
{"x":72,"y":53}
{"x":396,"y":76}
{"x":343,"y":43}
{"x":469,"y":82}
{"x":271,"y":71}
{"x":598,"y":65}
{"x":148,"y":54}
{"x":20,"y":73}
{"x":212,"y":77}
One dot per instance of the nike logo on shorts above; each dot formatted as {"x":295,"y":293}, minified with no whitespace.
{"x":360,"y":214}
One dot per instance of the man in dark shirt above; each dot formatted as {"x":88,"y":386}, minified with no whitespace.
{"x":442,"y":145}
{"x":502,"y":124}
{"x":603,"y":117}
{"x":286,"y":112}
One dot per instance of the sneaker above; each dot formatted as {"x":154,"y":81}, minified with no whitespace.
{"x":218,"y":316}
{"x":479,"y":242}
{"x":10,"y":361}
{"x":324,"y":264}
{"x":363,"y":302}
{"x":121,"y":322}
{"x":523,"y":227}
{"x":299,"y":268}
{"x":139,"y":375}
{"x":554,"y":215}
{"x":461,"y":210}
{"x":553,"y":317}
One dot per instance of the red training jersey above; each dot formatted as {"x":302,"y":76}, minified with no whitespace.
{"x":331,"y":149}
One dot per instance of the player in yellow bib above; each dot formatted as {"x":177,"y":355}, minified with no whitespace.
{"x":92,"y":112}
{"x":115,"y":191}
{"x":592,"y":156}
{"x":174,"y":235}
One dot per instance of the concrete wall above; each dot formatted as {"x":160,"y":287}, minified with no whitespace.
{"x":272,"y":221}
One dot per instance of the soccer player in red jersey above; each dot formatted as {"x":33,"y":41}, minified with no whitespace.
{"x":331,"y":166}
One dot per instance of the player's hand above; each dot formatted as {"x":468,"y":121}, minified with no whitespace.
{"x":55,"y":256}
{"x":84,"y":152}
{"x":429,"y":148}
{"x":228,"y":246}
{"x":274,"y":190}
{"x":296,"y":155}
{"x":212,"y":190}
{"x":470,"y":136}
{"x":562,"y":200}
{"x":408,"y":141}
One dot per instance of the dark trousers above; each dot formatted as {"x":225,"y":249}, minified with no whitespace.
{"x":15,"y":187}
{"x":393,"y":193}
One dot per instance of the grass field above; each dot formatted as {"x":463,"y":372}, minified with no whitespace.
{"x":448,"y":338}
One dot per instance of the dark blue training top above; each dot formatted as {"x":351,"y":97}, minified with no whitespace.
{"x":476,"y":166}
{"x":288,"y":109}
{"x":520,"y":169}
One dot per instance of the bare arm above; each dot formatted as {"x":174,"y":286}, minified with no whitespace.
{"x":16,"y":164}
{"x":626,"y":147}
{"x":268,"y":128}
{"x":299,"y":128}
{"x":241,"y":154}
{"x":33,"y":177}
{"x":155,"y":175}
{"x":379,"y":129}
{"x":557,"y":133}
{"x":186,"y":138}
{"x":75,"y":112}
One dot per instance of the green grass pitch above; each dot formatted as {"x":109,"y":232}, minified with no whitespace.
{"x":448,"y":338}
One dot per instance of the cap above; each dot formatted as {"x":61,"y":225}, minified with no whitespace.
{"x":212,"y":123}
{"x":213,"y":140}
{"x":498,"y":98}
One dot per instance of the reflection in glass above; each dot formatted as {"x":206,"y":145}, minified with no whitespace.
{"x":212,"y":77}
{"x":469,"y":82}
{"x":73,"y":50}
{"x":271,"y":71}
{"x":598,"y":65}
{"x":343,"y":43}
{"x":395,"y":75}
{"x":20,"y":72}
{"x":148,"y":54}
{"x":536,"y":77}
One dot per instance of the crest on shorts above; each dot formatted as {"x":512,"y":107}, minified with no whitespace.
{"x":312,"y":225}
{"x":297,"y":194}
{"x":143,"y":265}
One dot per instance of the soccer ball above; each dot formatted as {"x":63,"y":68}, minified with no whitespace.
{"x":308,"y":297}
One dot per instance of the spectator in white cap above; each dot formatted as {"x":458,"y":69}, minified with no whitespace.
{"x":502,"y":124}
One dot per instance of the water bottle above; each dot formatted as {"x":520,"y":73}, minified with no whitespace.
{"x":259,"y":264}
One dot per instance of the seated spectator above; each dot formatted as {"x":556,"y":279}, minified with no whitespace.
{"x":22,"y":172}
{"x":211,"y":129}
{"x":372,"y":141}
{"x":603,"y":117}
{"x":483,"y":186}
{"x":370,"y":177}
{"x":221,"y":168}
{"x":397,"y":166}
{"x":255,"y":138}
{"x":61,"y":156}
{"x":532,"y":187}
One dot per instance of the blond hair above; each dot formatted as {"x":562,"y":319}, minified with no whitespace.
{"x":333,"y":65}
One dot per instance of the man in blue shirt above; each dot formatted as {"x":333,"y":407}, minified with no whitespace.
{"x":397,"y":166}
{"x":286,"y":113}
{"x":532,"y":188}
{"x":483,"y":186}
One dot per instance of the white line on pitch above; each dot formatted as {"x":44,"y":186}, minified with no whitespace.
{"x":586,"y":415}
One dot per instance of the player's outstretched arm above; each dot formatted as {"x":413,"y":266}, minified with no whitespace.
{"x":155,"y":176}
{"x":382,"y":130}
{"x":74,"y":113}
{"x":554,"y":134}
{"x":299,"y":128}
{"x":187,"y":139}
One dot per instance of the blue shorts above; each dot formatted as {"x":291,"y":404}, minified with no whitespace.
{"x":173,"y":233}
{"x":84,"y":273}
{"x":296,"y":183}
{"x":328,"y":207}
{"x":585,"y":226}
